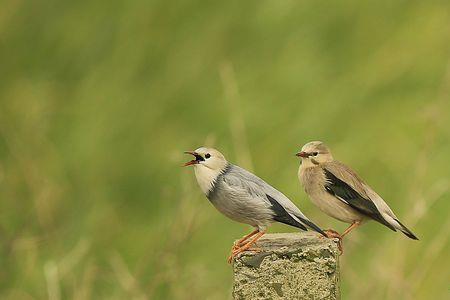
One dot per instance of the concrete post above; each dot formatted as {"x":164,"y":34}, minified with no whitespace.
{"x":290,"y":266}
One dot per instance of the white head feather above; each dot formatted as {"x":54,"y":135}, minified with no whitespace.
{"x":209,"y":165}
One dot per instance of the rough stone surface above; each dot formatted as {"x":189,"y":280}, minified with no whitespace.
{"x":289,"y":266}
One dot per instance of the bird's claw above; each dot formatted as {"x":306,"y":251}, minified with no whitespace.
{"x":236,"y":245}
{"x":242,"y":245}
{"x":230,"y":258}
{"x":334,"y":234}
{"x":235,"y":250}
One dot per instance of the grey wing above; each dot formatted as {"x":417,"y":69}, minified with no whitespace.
{"x":346,"y":186}
{"x":241,"y":200}
{"x":283,"y":209}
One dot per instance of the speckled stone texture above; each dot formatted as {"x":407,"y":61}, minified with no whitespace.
{"x":289,"y":266}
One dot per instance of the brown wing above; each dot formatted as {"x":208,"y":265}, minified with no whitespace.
{"x":346,"y":186}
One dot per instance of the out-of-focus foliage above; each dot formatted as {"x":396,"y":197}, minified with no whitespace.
{"x":99,"y":99}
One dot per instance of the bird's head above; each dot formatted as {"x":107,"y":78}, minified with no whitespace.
{"x":207,"y":158}
{"x":315,"y":152}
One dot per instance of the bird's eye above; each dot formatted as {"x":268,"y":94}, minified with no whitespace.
{"x":207,"y":155}
{"x":315,"y":153}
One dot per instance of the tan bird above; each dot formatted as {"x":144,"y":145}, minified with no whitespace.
{"x":339,"y":192}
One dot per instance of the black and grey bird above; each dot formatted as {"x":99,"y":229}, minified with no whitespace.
{"x":339,"y":192}
{"x":244,"y":197}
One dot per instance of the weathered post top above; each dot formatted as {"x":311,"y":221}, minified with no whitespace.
{"x":289,"y":266}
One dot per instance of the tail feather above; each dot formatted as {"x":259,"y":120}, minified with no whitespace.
{"x":282,"y":216}
{"x":406,"y":231}
{"x":312,"y":225}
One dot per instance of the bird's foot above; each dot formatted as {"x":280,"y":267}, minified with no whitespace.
{"x":334,"y":234}
{"x":236,"y":251}
{"x":241,"y":247}
{"x":236,"y":246}
{"x":230,"y":258}
{"x":239,"y":244}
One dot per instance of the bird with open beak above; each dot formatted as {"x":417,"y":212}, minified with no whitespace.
{"x":244,"y":197}
{"x":339,"y":192}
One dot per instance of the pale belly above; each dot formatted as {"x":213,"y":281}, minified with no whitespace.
{"x":311,"y":179}
{"x":254,"y":213}
{"x":336,"y":208}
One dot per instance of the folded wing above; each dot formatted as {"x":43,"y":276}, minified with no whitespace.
{"x":282,"y":208}
{"x":346,"y":186}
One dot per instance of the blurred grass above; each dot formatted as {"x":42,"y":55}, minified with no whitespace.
{"x":98,"y":101}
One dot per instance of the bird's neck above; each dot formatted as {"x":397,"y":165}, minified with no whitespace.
{"x":206,"y":177}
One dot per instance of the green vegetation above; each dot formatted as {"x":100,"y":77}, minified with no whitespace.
{"x":99,"y":99}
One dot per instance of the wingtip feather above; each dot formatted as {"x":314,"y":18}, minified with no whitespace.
{"x":406,"y":231}
{"x":312,"y":226}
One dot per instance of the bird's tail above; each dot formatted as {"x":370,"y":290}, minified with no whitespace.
{"x":299,"y":221}
{"x":406,"y":231}
{"x":311,"y":225}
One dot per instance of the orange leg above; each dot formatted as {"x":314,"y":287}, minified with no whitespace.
{"x":239,"y":243}
{"x":246,"y":246}
{"x":351,"y":227}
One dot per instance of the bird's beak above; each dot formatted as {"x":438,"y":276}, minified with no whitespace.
{"x":194,"y":161}
{"x":302,"y":154}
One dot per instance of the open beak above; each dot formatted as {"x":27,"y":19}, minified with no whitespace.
{"x":194,"y":161}
{"x":302,"y":154}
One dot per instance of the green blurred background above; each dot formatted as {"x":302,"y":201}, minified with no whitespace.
{"x":99,"y":99}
